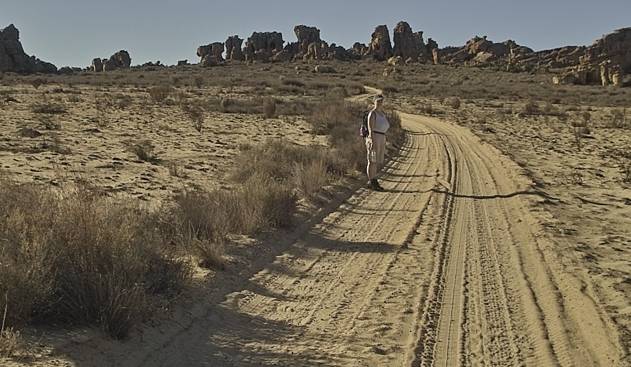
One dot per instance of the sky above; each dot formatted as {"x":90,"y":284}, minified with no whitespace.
{"x":73,"y":32}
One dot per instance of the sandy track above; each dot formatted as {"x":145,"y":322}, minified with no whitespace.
{"x":446,"y":268}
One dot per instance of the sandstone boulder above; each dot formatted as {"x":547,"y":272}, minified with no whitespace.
{"x":380,"y":47}
{"x":234,"y":50}
{"x":339,"y":53}
{"x":408,"y":44}
{"x":324,"y":69}
{"x":306,"y":37}
{"x":395,"y":60}
{"x":211,"y":54}
{"x":358,"y":50}
{"x":182,"y":62}
{"x":14,"y":59}
{"x":282,"y":56}
{"x":97,"y":65}
{"x":119,"y":60}
{"x":261,"y":46}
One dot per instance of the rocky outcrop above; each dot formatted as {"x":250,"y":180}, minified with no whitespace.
{"x":211,"y":54}
{"x":308,"y":40}
{"x":614,"y":47}
{"x":606,"y":62}
{"x":408,"y":44}
{"x":14,"y":59}
{"x":97,"y":65}
{"x":233,"y":49}
{"x":261,"y":46}
{"x":380,"y":47}
{"x":358,"y":50}
{"x":120,"y":60}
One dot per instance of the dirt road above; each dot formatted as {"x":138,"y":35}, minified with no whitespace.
{"x":448,"y":267}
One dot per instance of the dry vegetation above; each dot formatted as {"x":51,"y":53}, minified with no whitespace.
{"x":76,"y":251}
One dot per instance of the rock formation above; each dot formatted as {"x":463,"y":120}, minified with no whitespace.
{"x":14,"y":59}
{"x":119,"y":60}
{"x":606,"y":62}
{"x":307,"y":36}
{"x":233,"y":49}
{"x":97,"y":65}
{"x":408,"y":44}
{"x":261,"y":46}
{"x":212,"y":54}
{"x":380,"y":47}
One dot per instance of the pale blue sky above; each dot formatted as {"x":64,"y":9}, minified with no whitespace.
{"x":72,"y":32}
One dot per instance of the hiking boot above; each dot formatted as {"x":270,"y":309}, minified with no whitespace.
{"x":374,"y":184}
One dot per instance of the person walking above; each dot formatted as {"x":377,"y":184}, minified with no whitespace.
{"x":378,"y":125}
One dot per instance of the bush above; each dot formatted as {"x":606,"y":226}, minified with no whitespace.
{"x":309,"y":178}
{"x":269,"y":108}
{"x":78,"y":257}
{"x":453,"y":102}
{"x":144,"y":150}
{"x":530,"y":108}
{"x":48,"y":108}
{"x":159,"y":94}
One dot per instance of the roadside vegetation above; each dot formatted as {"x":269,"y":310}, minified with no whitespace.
{"x":78,"y":256}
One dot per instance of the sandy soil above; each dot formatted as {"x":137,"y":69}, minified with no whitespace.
{"x":95,"y":145}
{"x":450,"y":266}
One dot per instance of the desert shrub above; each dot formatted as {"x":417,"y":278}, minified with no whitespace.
{"x":81,"y":258}
{"x":293,"y":82}
{"x":426,"y":108}
{"x":48,"y":108}
{"x":618,"y":119}
{"x":274,"y":159}
{"x":159,"y":94}
{"x":453,"y":102}
{"x":309,"y":178}
{"x":122,"y":101}
{"x":245,"y":106}
{"x":530,"y":108}
{"x":264,"y":203}
{"x":195,"y":113}
{"x":38,"y":82}
{"x":294,"y":107}
{"x":269,"y":108}
{"x":144,"y":150}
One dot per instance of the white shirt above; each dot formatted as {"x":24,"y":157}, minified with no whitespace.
{"x":381,"y":124}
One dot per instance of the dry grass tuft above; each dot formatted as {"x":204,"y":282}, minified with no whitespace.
{"x":159,"y":94}
{"x":144,"y":151}
{"x":78,"y":257}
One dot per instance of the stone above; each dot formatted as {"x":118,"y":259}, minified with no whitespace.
{"x":182,"y":62}
{"x":282,"y":56}
{"x":119,"y":60}
{"x":306,"y":37}
{"x":234,"y":50}
{"x":395,"y":60}
{"x":407,"y":44}
{"x":324,"y":69}
{"x":380,"y":47}
{"x":97,"y":65}
{"x":14,"y":59}
{"x":211,"y":54}
{"x":261,"y":46}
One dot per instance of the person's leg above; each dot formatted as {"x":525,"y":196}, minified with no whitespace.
{"x":371,"y":164}
{"x":380,"y":152}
